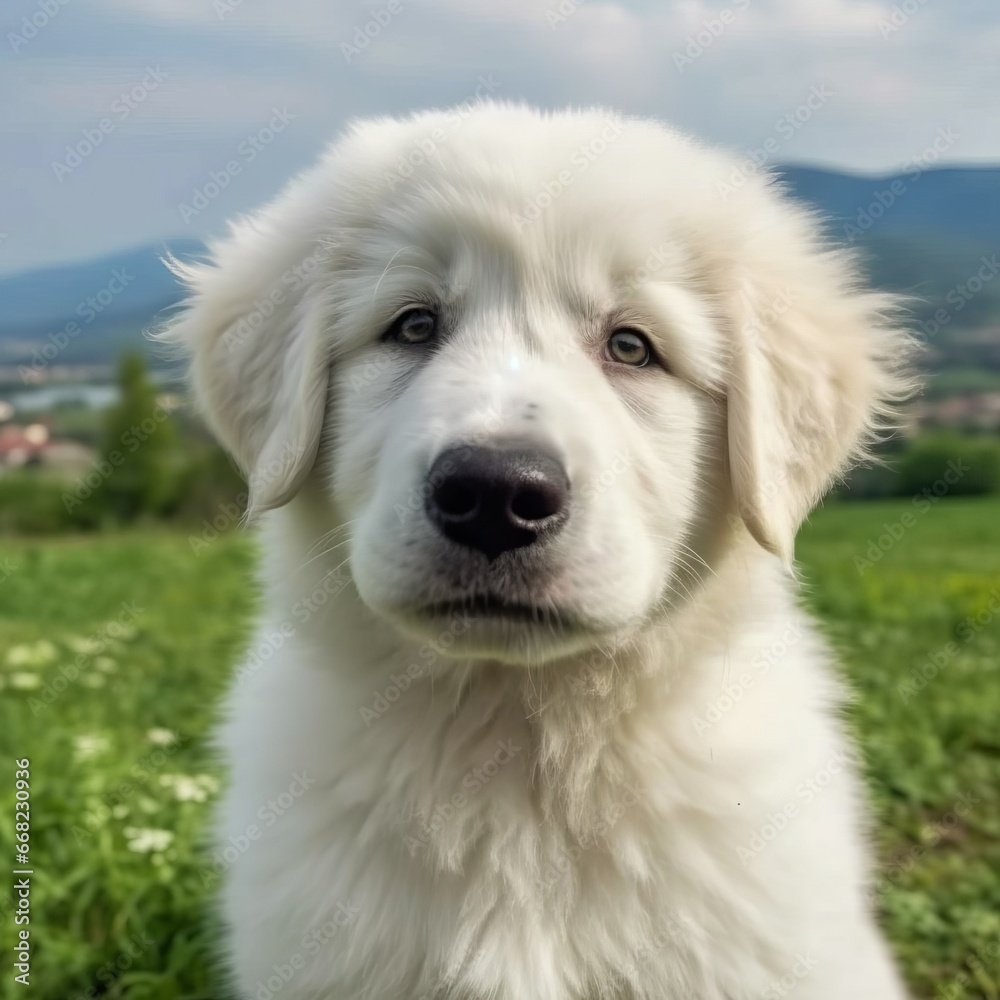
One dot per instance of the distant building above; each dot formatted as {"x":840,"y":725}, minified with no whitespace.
{"x":979,"y":411}
{"x":31,"y":444}
{"x":22,"y":445}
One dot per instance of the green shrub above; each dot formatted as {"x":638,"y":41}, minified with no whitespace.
{"x":32,"y":503}
{"x":960,"y":466}
{"x":945,"y":463}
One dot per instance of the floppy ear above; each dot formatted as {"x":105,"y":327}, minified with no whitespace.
{"x":815,"y":368}
{"x":259,"y":364}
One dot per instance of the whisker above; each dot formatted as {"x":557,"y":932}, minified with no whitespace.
{"x":386,"y":270}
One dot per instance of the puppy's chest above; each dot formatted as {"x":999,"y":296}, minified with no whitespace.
{"x":534,"y":795}
{"x":532,"y":843}
{"x":499,"y":848}
{"x":537,"y":823}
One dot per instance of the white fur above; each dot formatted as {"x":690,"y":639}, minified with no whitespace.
{"x":470,"y":809}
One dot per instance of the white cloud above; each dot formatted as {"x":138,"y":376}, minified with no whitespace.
{"x":230,"y":65}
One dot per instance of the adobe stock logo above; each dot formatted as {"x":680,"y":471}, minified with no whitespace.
{"x":248,"y":150}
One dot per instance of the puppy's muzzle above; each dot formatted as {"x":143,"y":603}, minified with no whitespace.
{"x":495,"y":499}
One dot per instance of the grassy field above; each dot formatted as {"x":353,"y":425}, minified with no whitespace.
{"x":114,"y":651}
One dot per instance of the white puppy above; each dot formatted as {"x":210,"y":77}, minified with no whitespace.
{"x":535,"y":405}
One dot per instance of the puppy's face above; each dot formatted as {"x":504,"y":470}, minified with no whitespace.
{"x":523,"y":436}
{"x":543,"y":361}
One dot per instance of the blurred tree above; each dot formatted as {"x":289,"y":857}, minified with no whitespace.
{"x":139,"y":452}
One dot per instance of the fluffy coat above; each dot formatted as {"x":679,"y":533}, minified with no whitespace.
{"x":647,"y":793}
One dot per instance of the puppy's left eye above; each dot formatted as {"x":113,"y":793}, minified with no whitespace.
{"x":629,"y":347}
{"x":415,"y":326}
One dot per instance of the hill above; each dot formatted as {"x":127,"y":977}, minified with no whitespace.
{"x":927,"y":233}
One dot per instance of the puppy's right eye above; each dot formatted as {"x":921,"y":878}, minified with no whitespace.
{"x":415,"y":326}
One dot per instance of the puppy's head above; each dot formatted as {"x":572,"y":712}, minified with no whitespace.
{"x":541,"y":367}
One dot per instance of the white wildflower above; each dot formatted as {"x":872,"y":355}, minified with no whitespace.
{"x":25,"y":682}
{"x":161,"y":737}
{"x":87,"y":746}
{"x":85,"y":645}
{"x":210,"y":784}
{"x":19,"y":656}
{"x":36,"y":654}
{"x":145,"y":840}
{"x":190,"y":789}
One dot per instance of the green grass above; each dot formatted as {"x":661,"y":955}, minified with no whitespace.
{"x":94,"y":901}
{"x":927,"y":747}
{"x":115,"y":921}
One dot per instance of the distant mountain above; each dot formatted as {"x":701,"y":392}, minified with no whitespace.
{"x":934,"y":236}
{"x":924,"y":233}
{"x":963,"y":202}
{"x":95,"y":308}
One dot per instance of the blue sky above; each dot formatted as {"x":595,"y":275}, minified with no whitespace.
{"x":177,"y":89}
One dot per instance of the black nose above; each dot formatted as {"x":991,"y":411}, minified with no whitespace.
{"x":497,"y":499}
